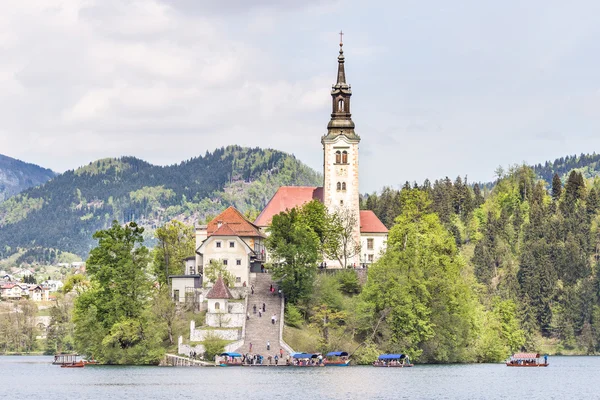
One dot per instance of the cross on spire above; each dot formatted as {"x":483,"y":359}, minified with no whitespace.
{"x":341,"y":38}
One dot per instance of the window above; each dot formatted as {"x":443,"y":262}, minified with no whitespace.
{"x":238,"y":262}
{"x":231,"y":244}
{"x":225,"y":262}
{"x":238,"y":279}
{"x":176,"y":295}
{"x":217,"y":306}
{"x":338,"y":157}
{"x":218,"y":245}
{"x":343,"y":185}
{"x":370,"y":257}
{"x":370,"y":244}
{"x":345,"y":157}
{"x":341,"y":105}
{"x":341,"y":202}
{"x":339,"y":186}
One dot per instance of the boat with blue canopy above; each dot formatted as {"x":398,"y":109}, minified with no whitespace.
{"x":337,"y":359}
{"x":393,"y":360}
{"x":307,"y":360}
{"x":230,"y":359}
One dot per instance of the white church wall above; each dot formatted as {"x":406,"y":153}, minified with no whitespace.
{"x":370,"y":254}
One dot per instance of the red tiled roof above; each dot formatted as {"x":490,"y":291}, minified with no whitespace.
{"x":369,"y":223}
{"x":286,"y":198}
{"x":237,"y":223}
{"x":219,"y":290}
{"x":224,"y":230}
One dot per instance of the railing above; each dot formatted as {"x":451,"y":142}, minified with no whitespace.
{"x":239,"y":343}
{"x":178,"y":361}
{"x":282,"y":343}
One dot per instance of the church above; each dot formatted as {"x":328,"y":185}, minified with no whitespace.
{"x":239,"y":243}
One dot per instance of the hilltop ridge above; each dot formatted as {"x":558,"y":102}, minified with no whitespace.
{"x":64,"y":213}
{"x":17,"y":175}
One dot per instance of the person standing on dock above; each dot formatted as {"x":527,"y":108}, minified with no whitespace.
{"x":280,"y":353}
{"x":268,"y":345}
{"x":252,"y":289}
{"x":250,"y":347}
{"x":254,"y":309}
{"x":273,"y":319}
{"x":264,"y":307}
{"x":276,"y":360}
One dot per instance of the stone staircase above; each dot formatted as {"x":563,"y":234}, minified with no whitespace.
{"x":259,"y":330}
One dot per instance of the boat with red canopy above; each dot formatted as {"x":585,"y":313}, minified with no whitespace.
{"x":527,"y":360}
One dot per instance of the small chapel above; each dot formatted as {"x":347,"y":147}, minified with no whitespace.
{"x":239,"y":243}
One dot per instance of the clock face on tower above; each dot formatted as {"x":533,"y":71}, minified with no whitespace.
{"x":340,"y":171}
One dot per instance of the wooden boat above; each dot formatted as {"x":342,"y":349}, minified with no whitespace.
{"x":337,"y":359}
{"x":77,"y":364}
{"x":306,"y":360}
{"x":527,"y":360}
{"x":393,"y":361}
{"x":230,"y":360}
{"x":60,"y":359}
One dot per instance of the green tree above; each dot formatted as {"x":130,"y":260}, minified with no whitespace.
{"x":59,"y":337}
{"x":112,"y":319}
{"x":216,"y":268}
{"x":420,"y":282}
{"x":295,"y":249}
{"x":175,"y":243}
{"x":556,"y":187}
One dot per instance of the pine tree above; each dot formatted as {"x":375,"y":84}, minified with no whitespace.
{"x":556,"y":187}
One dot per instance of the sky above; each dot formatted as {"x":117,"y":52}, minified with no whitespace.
{"x":439,"y":88}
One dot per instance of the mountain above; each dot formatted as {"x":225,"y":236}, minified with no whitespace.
{"x":16,"y":176}
{"x":63,"y":214}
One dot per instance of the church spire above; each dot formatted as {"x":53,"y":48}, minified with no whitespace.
{"x":341,"y":119}
{"x":341,"y":78}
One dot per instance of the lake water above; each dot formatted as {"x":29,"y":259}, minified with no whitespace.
{"x":566,"y":377}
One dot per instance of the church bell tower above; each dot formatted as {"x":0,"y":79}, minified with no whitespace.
{"x":340,"y":148}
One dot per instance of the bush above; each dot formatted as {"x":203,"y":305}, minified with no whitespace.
{"x":293,"y":316}
{"x":349,"y":283}
{"x":366,"y":354}
{"x":213,"y":346}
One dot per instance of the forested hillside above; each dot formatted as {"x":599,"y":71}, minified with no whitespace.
{"x":64,"y":213}
{"x":16,"y":176}
{"x":587,"y":164}
{"x":524,"y":244}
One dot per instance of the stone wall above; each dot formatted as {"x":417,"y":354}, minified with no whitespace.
{"x":186,"y":349}
{"x":225,"y":320}
{"x":199,"y":335}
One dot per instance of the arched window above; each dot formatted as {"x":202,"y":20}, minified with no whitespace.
{"x":339,"y":186}
{"x":345,"y":157}
{"x":217,"y":306}
{"x":341,"y":105}
{"x":343,"y":185}
{"x":338,"y":157}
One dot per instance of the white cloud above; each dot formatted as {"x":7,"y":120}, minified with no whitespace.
{"x":438,"y":90}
